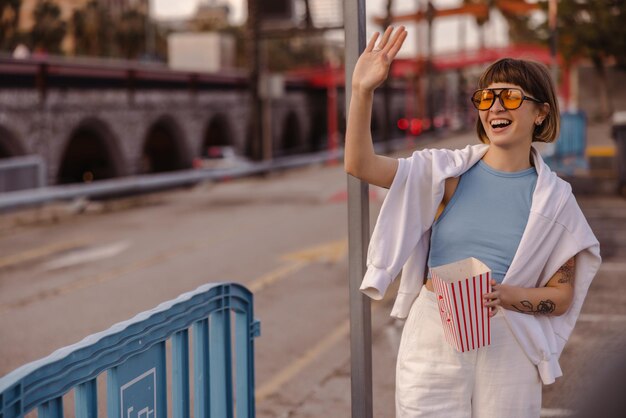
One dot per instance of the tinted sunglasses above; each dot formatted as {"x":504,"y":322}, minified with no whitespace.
{"x":510,"y":98}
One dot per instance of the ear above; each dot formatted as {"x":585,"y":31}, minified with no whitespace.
{"x":544,"y":110}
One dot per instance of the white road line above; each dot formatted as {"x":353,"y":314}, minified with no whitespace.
{"x":41,"y":252}
{"x":87,"y":255}
{"x":102,"y":277}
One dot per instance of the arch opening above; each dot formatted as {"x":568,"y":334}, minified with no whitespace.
{"x":291,"y":140}
{"x":318,"y":137}
{"x":90,"y":155}
{"x":218,"y":134}
{"x":162,"y":149}
{"x":9,"y":144}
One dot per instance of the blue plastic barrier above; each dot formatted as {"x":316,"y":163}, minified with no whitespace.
{"x":568,"y":153}
{"x":133,"y":353}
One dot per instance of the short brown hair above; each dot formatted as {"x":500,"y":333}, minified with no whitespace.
{"x":534,"y":78}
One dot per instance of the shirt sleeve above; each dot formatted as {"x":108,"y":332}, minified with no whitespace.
{"x":405,"y":215}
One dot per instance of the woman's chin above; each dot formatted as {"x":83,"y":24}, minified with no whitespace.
{"x":502,"y":140}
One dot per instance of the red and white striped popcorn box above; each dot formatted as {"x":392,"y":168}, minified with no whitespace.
{"x":459,"y":287}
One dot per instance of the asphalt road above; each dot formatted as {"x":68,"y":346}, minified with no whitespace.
{"x":67,"y":271}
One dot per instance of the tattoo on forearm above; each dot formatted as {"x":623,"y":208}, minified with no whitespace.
{"x":567,"y":271}
{"x":544,"y":307}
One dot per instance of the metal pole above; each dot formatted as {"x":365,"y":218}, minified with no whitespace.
{"x":266,"y":103}
{"x":552,"y":14}
{"x":331,"y":110}
{"x":358,"y":236}
{"x":254,"y":32}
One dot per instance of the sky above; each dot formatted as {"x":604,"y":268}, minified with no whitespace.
{"x":450,"y":34}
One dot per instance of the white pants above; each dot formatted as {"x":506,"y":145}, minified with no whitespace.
{"x":435,"y":380}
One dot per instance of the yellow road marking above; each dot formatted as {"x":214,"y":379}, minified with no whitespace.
{"x":286,"y":374}
{"x":41,"y":252}
{"x":301,"y":362}
{"x":333,"y":251}
{"x":600,"y":151}
{"x":298,"y":261}
{"x":275,"y":275}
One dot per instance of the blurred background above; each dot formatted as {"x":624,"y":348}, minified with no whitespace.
{"x":150,"y":146}
{"x":288,"y":52}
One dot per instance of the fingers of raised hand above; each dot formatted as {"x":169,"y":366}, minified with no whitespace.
{"x":388,"y":44}
{"x":372,"y":42}
{"x":385,"y":40}
{"x":396,"y":43}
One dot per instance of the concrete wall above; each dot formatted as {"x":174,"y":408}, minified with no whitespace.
{"x":122,"y":121}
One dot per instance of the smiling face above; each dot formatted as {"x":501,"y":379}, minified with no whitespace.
{"x":511,"y":127}
{"x":534,"y":80}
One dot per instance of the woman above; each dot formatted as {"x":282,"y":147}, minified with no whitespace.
{"x":496,"y":201}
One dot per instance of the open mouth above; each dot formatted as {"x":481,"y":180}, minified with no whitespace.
{"x":499,"y":124}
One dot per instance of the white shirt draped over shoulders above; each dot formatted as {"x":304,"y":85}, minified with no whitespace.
{"x":556,"y":231}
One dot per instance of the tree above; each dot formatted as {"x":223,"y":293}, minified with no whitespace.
{"x":210,"y":18}
{"x":520,"y":30}
{"x":49,"y":29}
{"x":91,"y":28}
{"x":242,"y":55}
{"x":291,"y":53}
{"x":9,"y":18}
{"x":130,"y":34}
{"x":137,"y":37}
{"x":592,"y":29}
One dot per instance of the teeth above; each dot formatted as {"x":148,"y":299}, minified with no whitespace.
{"x":500,"y":123}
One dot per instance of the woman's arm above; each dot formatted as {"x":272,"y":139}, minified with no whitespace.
{"x":553,"y":299}
{"x":370,"y":72}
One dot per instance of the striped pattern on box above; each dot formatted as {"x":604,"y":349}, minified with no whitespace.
{"x":465,"y":319}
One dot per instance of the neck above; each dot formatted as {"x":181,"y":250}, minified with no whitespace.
{"x":515,"y":158}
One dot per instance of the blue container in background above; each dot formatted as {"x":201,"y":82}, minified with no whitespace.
{"x":568,"y":152}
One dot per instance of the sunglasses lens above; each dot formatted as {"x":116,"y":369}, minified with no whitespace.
{"x":483,"y":99}
{"x":511,"y":98}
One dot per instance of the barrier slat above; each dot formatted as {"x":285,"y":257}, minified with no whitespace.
{"x":201,"y":368}
{"x":242,"y":334}
{"x":220,"y":368}
{"x":180,"y":374}
{"x":113,"y":399}
{"x":86,"y":400}
{"x":51,"y":409}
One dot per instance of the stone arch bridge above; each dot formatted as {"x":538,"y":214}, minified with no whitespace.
{"x":90,"y":121}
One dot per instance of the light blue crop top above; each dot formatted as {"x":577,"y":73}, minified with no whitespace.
{"x":485,"y":218}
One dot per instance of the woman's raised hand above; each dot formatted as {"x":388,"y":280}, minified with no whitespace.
{"x":372,"y":67}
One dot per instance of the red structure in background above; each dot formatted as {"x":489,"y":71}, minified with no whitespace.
{"x":405,"y":68}
{"x":478,"y":10}
{"x":330,"y":78}
{"x":464,"y":59}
